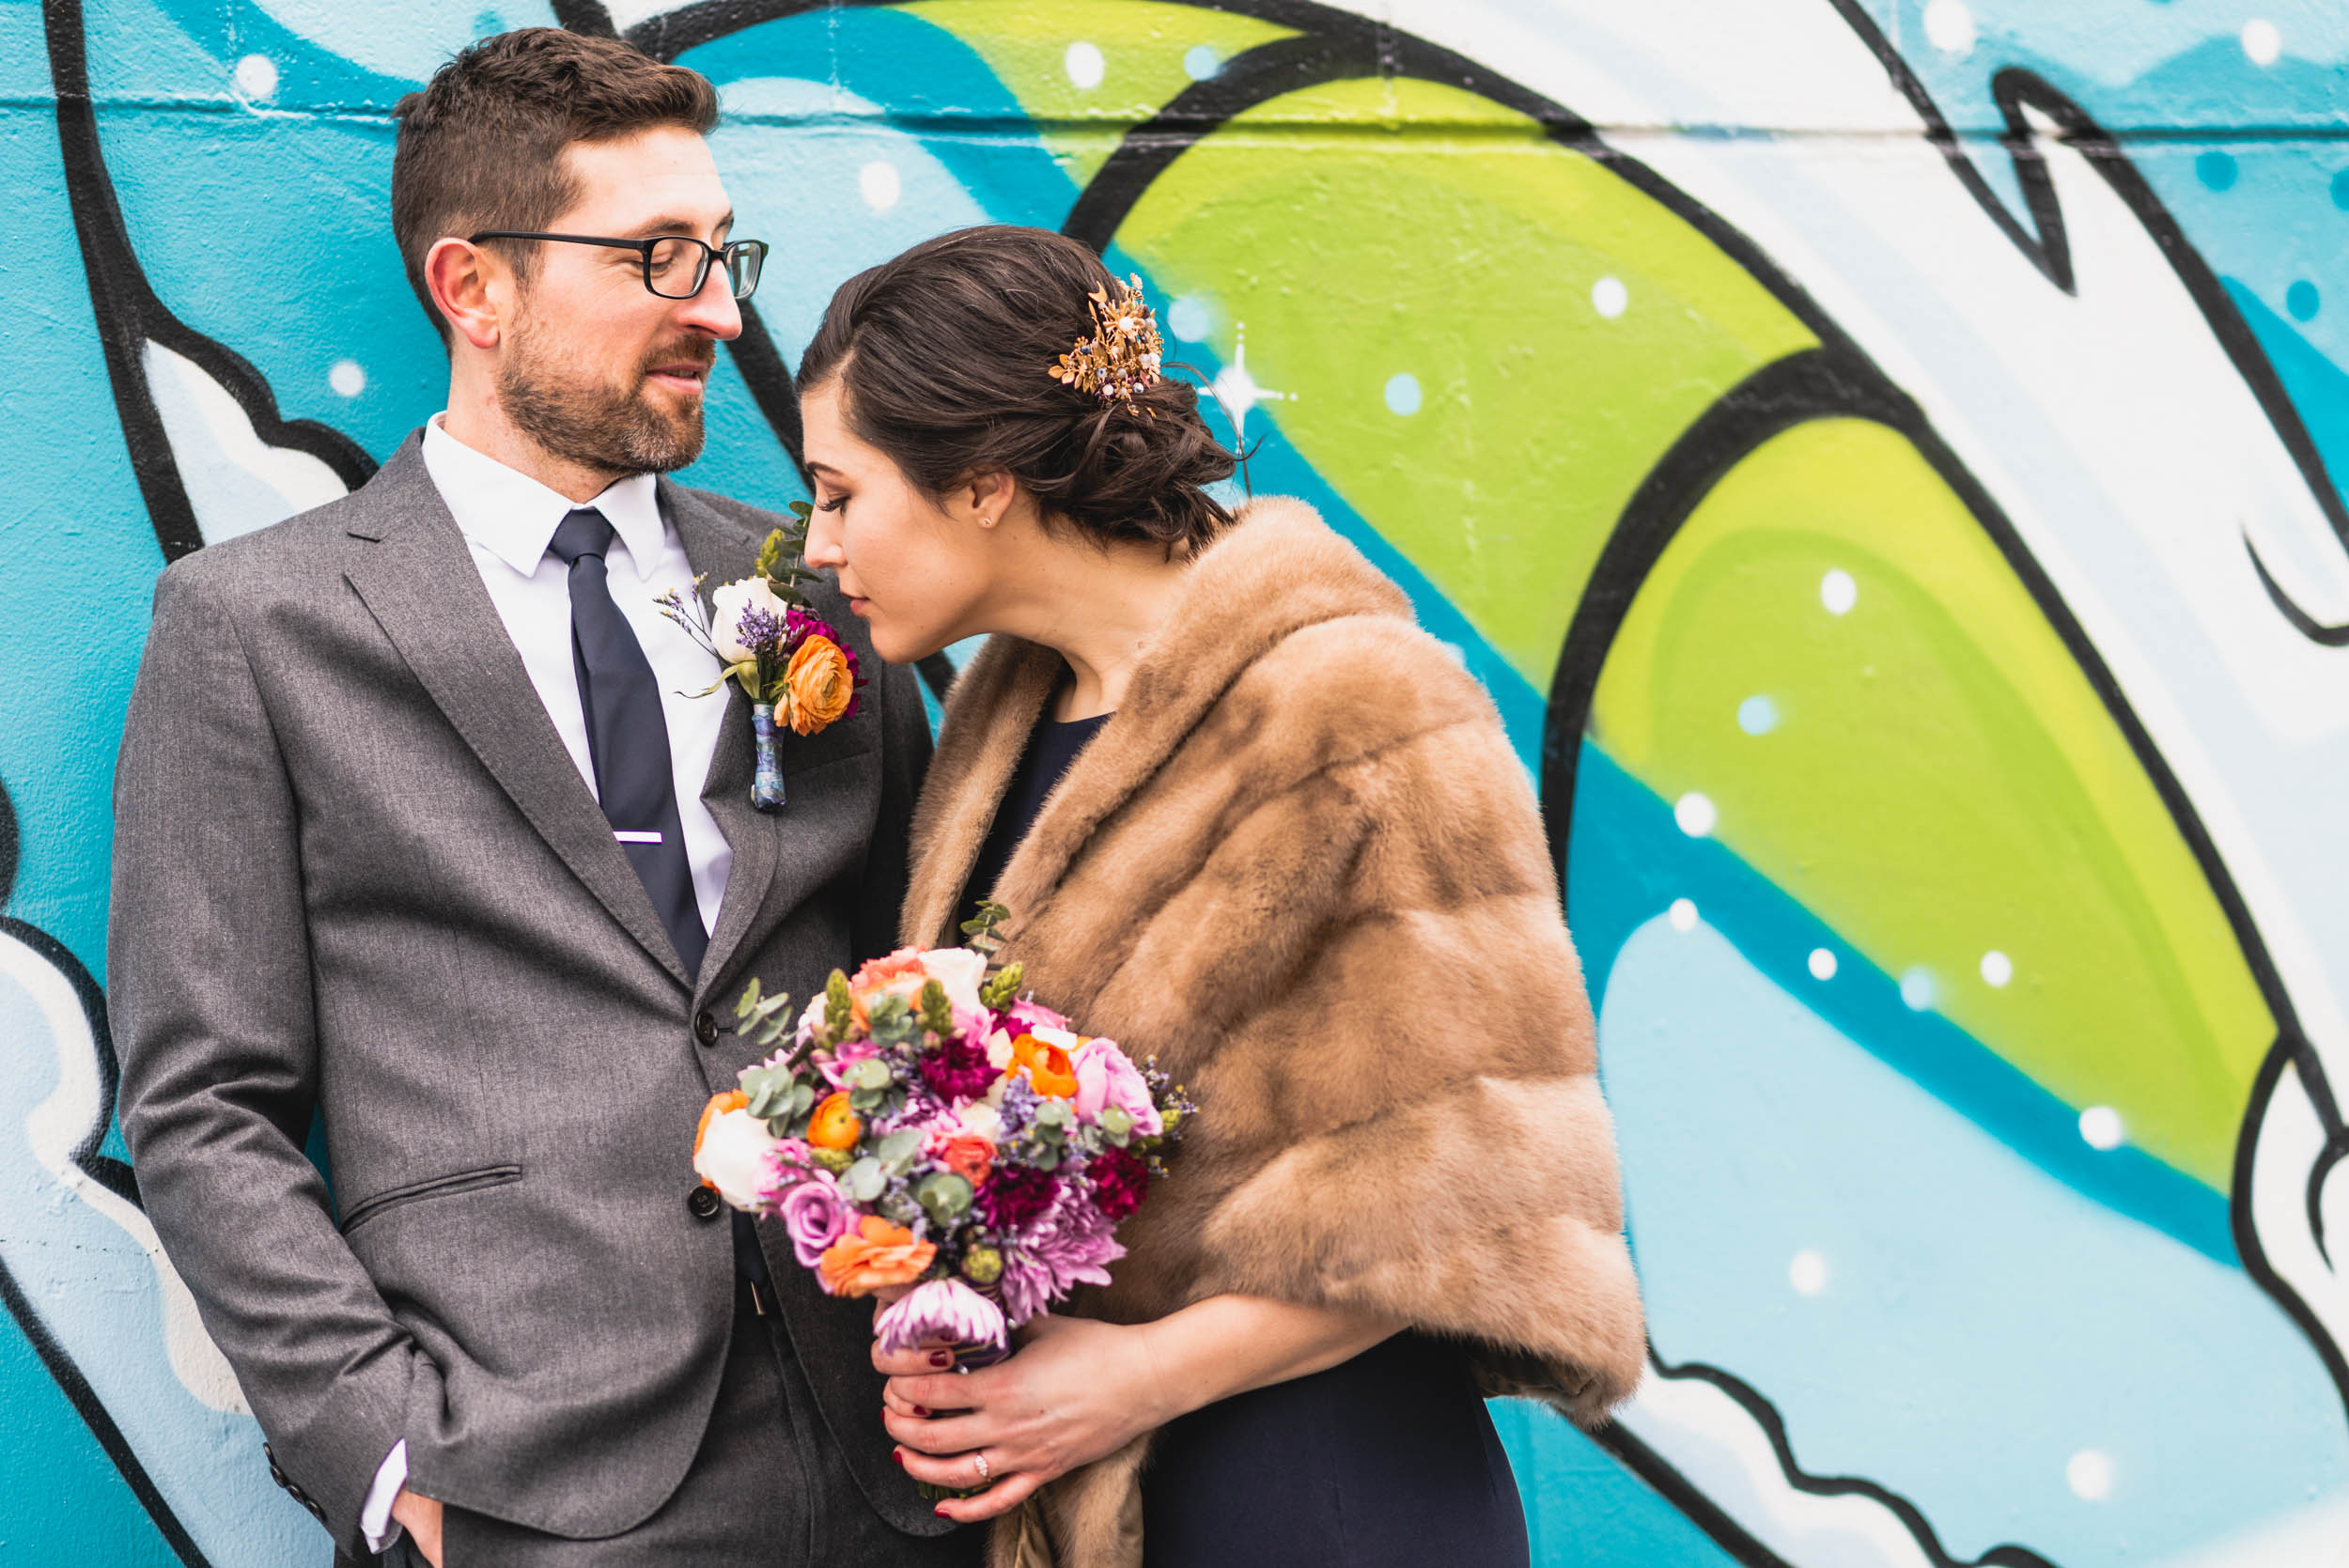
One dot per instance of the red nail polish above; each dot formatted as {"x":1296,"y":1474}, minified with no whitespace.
{"x":942,"y":1357}
{"x":899,"y":1455}
{"x":940,"y":1512}
{"x":918,"y":1411}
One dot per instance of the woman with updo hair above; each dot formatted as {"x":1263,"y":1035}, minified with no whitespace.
{"x":1253,"y":821}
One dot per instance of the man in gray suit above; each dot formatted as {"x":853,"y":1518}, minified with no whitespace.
{"x":417,"y":831}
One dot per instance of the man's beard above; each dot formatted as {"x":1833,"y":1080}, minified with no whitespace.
{"x":616,"y":430}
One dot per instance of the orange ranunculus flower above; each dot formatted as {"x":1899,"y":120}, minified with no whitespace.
{"x":733,"y":1099}
{"x":834,"y":1126}
{"x":968,"y":1156}
{"x":874,"y":973}
{"x":1049,"y":1069}
{"x":874,"y":1255}
{"x":820,"y":682}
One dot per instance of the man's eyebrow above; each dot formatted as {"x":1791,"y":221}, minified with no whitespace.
{"x":671,"y":223}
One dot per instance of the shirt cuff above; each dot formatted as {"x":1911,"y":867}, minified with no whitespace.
{"x":375,"y":1518}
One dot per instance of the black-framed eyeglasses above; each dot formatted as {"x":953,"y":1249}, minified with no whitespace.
{"x":675,"y":265}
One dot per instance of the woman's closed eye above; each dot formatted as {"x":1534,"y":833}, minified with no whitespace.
{"x":838,"y":503}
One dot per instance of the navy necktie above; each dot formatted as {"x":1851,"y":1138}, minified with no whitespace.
{"x":628,"y":738}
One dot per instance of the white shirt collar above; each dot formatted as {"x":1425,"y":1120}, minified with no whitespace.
{"x":514,"y":517}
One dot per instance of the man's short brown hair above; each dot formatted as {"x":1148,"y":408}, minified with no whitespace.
{"x":481,"y":147}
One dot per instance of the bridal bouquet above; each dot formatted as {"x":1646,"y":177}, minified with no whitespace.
{"x":922,"y":1125}
{"x":791,"y":664}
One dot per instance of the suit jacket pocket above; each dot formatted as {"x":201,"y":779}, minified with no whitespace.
{"x":437,"y":1186}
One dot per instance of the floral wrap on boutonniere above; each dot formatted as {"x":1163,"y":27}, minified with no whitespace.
{"x":789,"y":662}
{"x":923,"y":1127}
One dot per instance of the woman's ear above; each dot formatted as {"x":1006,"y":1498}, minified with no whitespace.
{"x":990,"y":497}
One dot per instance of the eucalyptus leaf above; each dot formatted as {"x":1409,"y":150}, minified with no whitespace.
{"x":743,"y":1008}
{"x":900,"y":1148}
{"x":871,"y":1073}
{"x":863,"y":1099}
{"x":945,"y":1195}
{"x":865,"y":1179}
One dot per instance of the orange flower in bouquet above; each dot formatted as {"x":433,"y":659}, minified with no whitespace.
{"x":875,"y":1255}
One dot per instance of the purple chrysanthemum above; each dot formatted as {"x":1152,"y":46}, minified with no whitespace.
{"x":1069,"y":1245}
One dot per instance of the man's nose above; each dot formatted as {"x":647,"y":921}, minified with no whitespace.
{"x":713,"y":310}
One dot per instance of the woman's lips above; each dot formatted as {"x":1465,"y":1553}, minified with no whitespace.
{"x":858,"y":607}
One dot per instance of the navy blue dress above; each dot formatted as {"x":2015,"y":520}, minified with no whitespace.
{"x":1387,"y":1460}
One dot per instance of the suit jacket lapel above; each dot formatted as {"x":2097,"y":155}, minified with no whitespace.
{"x":420,"y":583}
{"x":718,"y":551}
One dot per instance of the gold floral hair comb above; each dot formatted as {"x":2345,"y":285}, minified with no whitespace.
{"x":1120,"y":356}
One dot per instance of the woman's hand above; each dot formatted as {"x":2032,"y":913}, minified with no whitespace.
{"x":1078,"y":1389}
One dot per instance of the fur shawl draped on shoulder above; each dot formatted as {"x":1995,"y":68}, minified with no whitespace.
{"x":1303,"y":867}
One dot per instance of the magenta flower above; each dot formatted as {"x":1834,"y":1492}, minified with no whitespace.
{"x":958,"y":1070}
{"x":1119,"y":1182}
{"x":815,"y":1214}
{"x":844,"y":1056}
{"x":1027,"y":1015}
{"x":1106,"y":1077}
{"x":1015,"y":1195}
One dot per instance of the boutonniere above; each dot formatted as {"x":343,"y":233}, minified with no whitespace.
{"x":789,"y":662}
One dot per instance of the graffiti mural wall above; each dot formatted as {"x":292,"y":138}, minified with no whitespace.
{"x":1882,"y":457}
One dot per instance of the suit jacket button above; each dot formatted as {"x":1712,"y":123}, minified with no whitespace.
{"x":704,"y":1202}
{"x":705,"y":1028}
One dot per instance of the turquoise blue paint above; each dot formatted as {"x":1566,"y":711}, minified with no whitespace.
{"x":2318,"y":387}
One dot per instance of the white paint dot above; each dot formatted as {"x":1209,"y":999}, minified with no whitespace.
{"x":1084,"y":64}
{"x":257,"y":76}
{"x":2101,"y":1128}
{"x":1916,"y":990}
{"x":1190,"y":319}
{"x":1822,"y":963}
{"x":1838,"y":592}
{"x":2261,"y":43}
{"x":878,"y":184}
{"x":1682,"y":914}
{"x":2088,"y":1474}
{"x":1757,"y":715}
{"x":1403,"y":393}
{"x":1997,"y":968}
{"x":1695,"y":815}
{"x":1949,"y":25}
{"x":1610,"y":298}
{"x":346,"y":378}
{"x":1201,"y":61}
{"x":1807,"y":1272}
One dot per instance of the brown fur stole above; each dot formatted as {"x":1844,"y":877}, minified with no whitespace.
{"x":1303,"y":867}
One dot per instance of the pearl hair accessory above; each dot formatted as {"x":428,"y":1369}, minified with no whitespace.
{"x":1121,"y":355}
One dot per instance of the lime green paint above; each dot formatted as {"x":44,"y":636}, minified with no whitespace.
{"x":1463,"y":253}
{"x":1025,"y":43}
{"x":1943,"y":781}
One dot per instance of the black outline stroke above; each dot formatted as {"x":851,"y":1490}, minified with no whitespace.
{"x":129,"y":314}
{"x":1735,"y":1539}
{"x":115,"y":1177}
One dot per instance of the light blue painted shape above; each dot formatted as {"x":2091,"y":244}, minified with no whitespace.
{"x":1983,"y":1319}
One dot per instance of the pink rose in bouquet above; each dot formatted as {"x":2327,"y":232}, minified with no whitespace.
{"x":922,"y":1123}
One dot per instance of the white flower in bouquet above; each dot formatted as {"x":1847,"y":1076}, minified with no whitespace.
{"x":727,"y":602}
{"x":960,"y":972}
{"x":735,"y":1155}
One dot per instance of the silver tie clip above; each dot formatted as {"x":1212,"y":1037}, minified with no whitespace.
{"x":630,"y":835}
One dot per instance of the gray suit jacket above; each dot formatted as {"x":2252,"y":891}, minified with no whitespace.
{"x":356,"y":871}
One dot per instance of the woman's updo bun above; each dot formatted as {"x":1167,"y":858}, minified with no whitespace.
{"x":943,"y":357}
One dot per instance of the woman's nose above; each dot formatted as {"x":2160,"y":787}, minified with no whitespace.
{"x":824,"y":543}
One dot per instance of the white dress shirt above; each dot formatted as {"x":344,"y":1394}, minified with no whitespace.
{"x":509,"y":519}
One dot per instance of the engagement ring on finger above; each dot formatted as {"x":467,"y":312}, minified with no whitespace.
{"x":984,"y":1474}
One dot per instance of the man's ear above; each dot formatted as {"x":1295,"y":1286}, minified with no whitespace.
{"x":471,"y":287}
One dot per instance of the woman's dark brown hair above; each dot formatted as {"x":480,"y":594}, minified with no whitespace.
{"x":941,"y":356}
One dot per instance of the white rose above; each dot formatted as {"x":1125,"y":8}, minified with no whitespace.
{"x":999,"y":1050}
{"x":736,"y":1156}
{"x":1066,"y":1039}
{"x":960,"y":972}
{"x":728,"y":603}
{"x":981,"y":1120}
